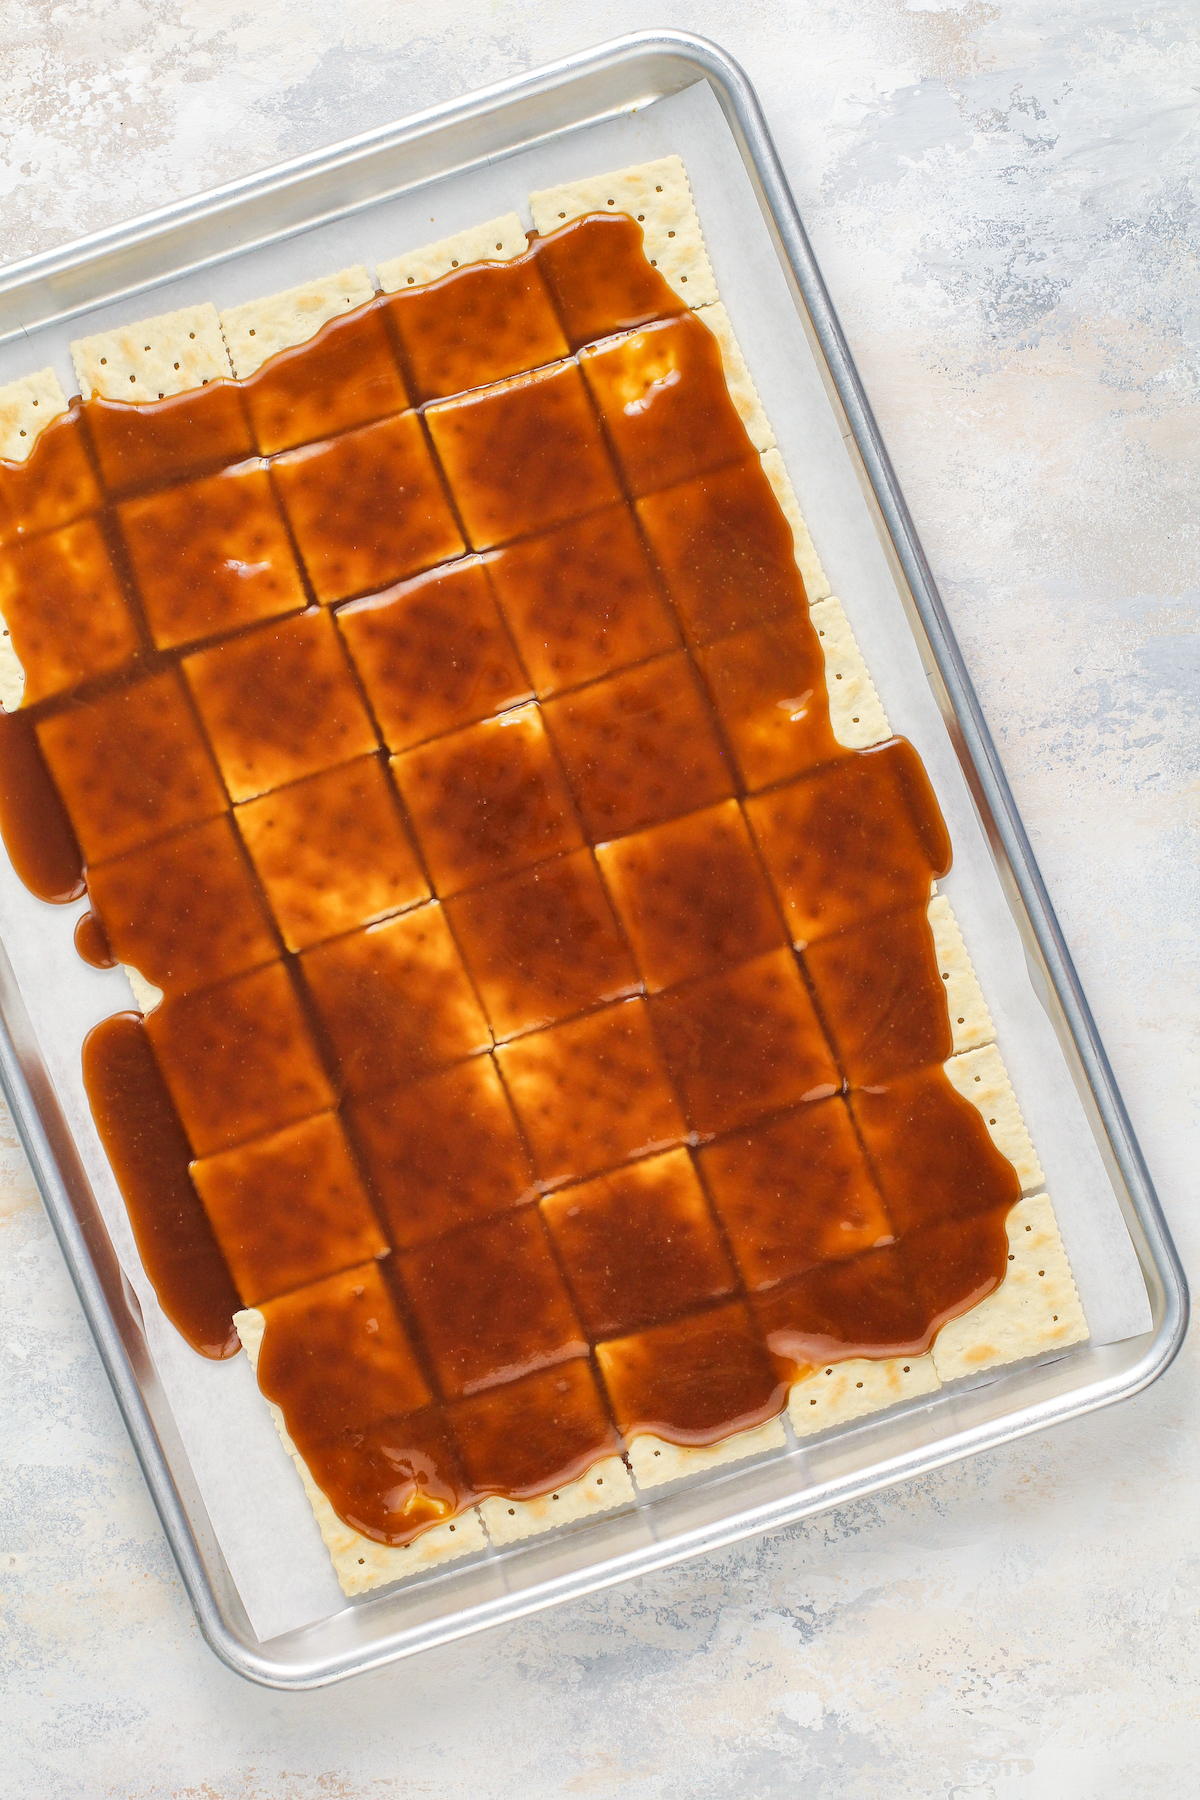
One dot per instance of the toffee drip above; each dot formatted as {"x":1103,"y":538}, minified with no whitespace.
{"x":149,"y":1153}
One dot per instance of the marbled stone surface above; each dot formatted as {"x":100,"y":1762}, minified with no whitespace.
{"x":1003,"y":199}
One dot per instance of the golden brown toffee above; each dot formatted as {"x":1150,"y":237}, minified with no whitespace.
{"x":552,"y":1029}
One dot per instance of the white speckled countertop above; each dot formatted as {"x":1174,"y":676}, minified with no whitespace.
{"x":1003,"y":198}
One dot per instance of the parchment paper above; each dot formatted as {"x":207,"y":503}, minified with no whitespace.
{"x":256,"y":1504}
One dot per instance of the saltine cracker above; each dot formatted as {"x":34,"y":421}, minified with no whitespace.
{"x":605,"y":1486}
{"x":1036,"y":1307}
{"x":654,"y":1461}
{"x":835,"y":1394}
{"x":259,"y":329}
{"x":155,"y":358}
{"x":981,"y":1078}
{"x":26,"y":407}
{"x":816,"y":584}
{"x":659,"y":196}
{"x":496,"y":240}
{"x":970,"y":1021}
{"x":359,"y":1562}
{"x":856,"y":715}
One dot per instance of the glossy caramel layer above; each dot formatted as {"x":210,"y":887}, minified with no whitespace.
{"x":551,"y":1025}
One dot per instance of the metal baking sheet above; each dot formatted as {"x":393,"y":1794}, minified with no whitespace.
{"x":590,"y":112}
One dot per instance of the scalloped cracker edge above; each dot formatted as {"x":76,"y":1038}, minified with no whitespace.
{"x":605,"y":1486}
{"x":659,"y":197}
{"x":496,"y":240}
{"x":26,"y":407}
{"x":655,"y":1462}
{"x":849,"y":1390}
{"x":359,"y":1562}
{"x":1035,"y":1309}
{"x":856,"y":714}
{"x":816,"y":587}
{"x":154,"y":358}
{"x":970,"y":1020}
{"x":259,"y":329}
{"x":739,"y":380}
{"x":981,"y":1078}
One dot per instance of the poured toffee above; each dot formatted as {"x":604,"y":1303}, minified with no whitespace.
{"x":551,"y":1034}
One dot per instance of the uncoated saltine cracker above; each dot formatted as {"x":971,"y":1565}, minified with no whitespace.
{"x":605,"y":1486}
{"x":1036,"y":1307}
{"x":849,"y":1390}
{"x":655,"y":1462}
{"x":970,"y":1020}
{"x":856,"y":714}
{"x":26,"y":408}
{"x":981,"y":1078}
{"x":816,"y":587}
{"x":259,"y":329}
{"x":496,"y":240}
{"x":658,"y":196}
{"x":359,"y":1562}
{"x":12,"y":674}
{"x":739,"y":380}
{"x":154,"y":358}
{"x":144,"y":992}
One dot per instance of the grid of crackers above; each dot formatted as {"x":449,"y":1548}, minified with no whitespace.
{"x":1036,"y":1308}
